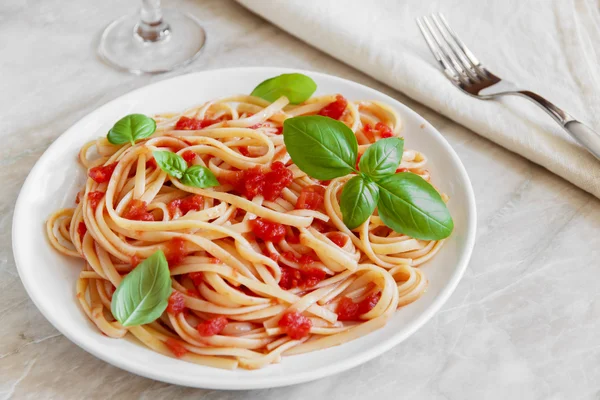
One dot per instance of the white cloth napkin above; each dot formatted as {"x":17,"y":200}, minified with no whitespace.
{"x":551,"y":47}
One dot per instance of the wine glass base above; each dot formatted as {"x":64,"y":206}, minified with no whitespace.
{"x":121,"y":47}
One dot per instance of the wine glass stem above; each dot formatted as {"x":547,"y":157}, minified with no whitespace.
{"x":151,"y":27}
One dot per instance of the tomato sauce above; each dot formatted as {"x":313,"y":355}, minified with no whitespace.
{"x":102,"y":173}
{"x":212,"y":327}
{"x":296,"y":325}
{"x":336,"y":108}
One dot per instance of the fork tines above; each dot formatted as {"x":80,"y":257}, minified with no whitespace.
{"x":457,"y":61}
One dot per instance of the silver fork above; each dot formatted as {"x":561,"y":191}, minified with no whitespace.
{"x":466,"y":72}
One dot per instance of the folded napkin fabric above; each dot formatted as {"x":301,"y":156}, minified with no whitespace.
{"x":551,"y":47}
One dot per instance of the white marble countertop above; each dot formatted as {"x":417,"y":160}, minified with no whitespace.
{"x":524,"y":323}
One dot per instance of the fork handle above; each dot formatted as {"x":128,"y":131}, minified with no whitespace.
{"x":585,"y":135}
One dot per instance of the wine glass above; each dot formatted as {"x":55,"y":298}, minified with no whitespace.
{"x":155,"y":40}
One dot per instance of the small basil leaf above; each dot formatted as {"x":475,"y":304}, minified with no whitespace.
{"x":382,"y":158}
{"x":199,"y":176}
{"x":358,"y":201}
{"x":322,"y":147}
{"x":131,"y":128}
{"x":409,"y":204}
{"x":296,"y":87}
{"x":173,"y":164}
{"x":142,"y":296}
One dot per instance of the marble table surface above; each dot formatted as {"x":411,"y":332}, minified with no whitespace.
{"x":524,"y":323}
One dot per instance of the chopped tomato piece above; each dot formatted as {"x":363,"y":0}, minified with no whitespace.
{"x":102,"y":173}
{"x":267,"y":230}
{"x":336,"y":108}
{"x":348,"y":310}
{"x":380,"y":128}
{"x":194,"y":124}
{"x":175,"y":251}
{"x":290,"y":277}
{"x":94,"y":199}
{"x":255,"y":181}
{"x":78,"y":198}
{"x":135,"y":260}
{"x":276,"y":180}
{"x":213,"y":326}
{"x":191,"y":203}
{"x":369,"y":303}
{"x":189,"y":156}
{"x":305,"y":277}
{"x":81,"y":229}
{"x":311,"y":198}
{"x":244,"y":150}
{"x":151,"y":163}
{"x":402,"y":169}
{"x":296,"y":325}
{"x":137,"y":210}
{"x":197,"y":277}
{"x":338,"y":238}
{"x":311,"y":275}
{"x":176,"y":303}
{"x":320,"y":226}
{"x":176,"y":347}
{"x":279,"y":130}
{"x":288,"y":255}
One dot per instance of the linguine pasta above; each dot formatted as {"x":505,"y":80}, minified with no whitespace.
{"x":345,"y":283}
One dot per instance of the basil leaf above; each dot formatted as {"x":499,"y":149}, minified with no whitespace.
{"x":131,"y":128}
{"x":142,"y":296}
{"x":410,"y":205}
{"x":358,"y":201}
{"x":296,"y":87}
{"x":382,"y":158}
{"x":199,"y":176}
{"x":173,"y":164}
{"x":322,"y":147}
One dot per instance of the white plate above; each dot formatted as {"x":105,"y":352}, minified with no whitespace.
{"x":55,"y":179}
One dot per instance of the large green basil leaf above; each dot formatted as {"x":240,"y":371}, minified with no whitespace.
{"x":382,"y":158}
{"x":322,"y":147}
{"x":131,"y":128}
{"x":408,"y":204}
{"x":296,"y":87}
{"x":173,"y":164}
{"x":143,"y":295}
{"x":358,"y":201}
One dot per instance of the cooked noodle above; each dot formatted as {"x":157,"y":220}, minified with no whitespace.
{"x":240,"y":274}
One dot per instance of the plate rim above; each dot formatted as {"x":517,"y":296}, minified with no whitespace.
{"x":272,"y":381}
